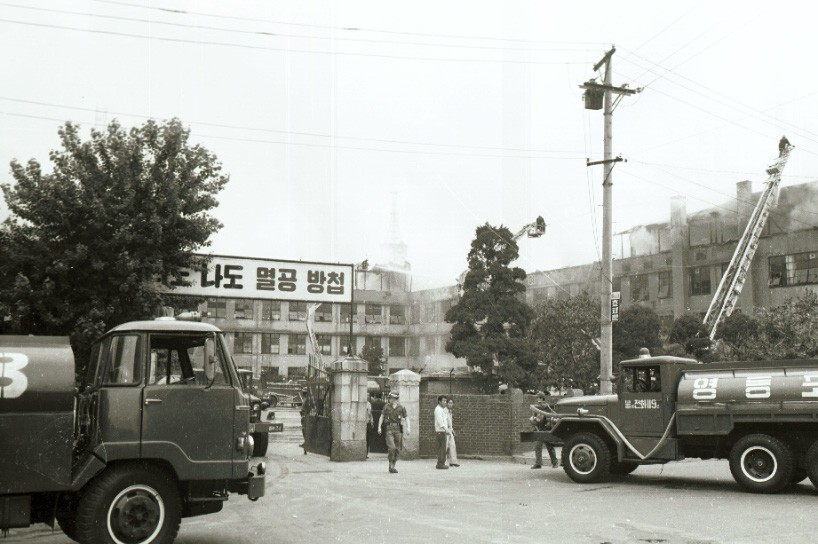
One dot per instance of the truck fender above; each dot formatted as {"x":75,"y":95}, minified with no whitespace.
{"x":565,"y":426}
{"x":90,"y":467}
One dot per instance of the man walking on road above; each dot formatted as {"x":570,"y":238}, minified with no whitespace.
{"x":441,"y":431}
{"x":394,"y":415}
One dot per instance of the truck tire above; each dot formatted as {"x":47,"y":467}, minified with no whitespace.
{"x":586,"y":458}
{"x":761,"y":463}
{"x":69,"y":526}
{"x":273,"y":401}
{"x":129,"y":505}
{"x":623,"y":468}
{"x":260,"y":441}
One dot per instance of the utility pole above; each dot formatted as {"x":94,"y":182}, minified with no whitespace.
{"x":595,"y":96}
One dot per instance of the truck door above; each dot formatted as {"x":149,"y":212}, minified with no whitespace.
{"x":641,"y":402}
{"x":188,"y":406}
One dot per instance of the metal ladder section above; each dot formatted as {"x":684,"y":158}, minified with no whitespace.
{"x":317,"y":359}
{"x":729,"y":289}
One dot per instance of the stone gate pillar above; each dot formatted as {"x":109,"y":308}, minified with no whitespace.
{"x":407,"y":384}
{"x":348,"y":409}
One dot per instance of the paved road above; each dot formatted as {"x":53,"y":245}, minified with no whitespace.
{"x":309,"y":499}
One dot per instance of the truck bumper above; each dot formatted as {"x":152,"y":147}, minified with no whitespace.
{"x":253,"y":486}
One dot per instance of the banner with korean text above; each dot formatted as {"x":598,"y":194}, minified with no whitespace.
{"x":241,"y":277}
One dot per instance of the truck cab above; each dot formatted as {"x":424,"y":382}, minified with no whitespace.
{"x":159,"y":430}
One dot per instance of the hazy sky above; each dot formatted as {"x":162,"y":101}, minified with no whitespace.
{"x":467,"y":111}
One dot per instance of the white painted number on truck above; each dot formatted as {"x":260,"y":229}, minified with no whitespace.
{"x":758,"y":387}
{"x":641,"y":404}
{"x":705,"y":388}
{"x":811,"y":381}
{"x":13,"y":383}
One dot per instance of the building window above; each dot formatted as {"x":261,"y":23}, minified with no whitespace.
{"x":344,"y":313}
{"x":374,"y":313}
{"x":297,"y":344}
{"x":397,"y":315}
{"x":428,"y":313}
{"x":795,"y":269}
{"x":665,"y":284}
{"x":298,"y":311}
{"x":243,"y":309}
{"x":324,"y":313}
{"x":217,"y":308}
{"x":639,"y":288}
{"x":270,"y":310}
{"x":324,"y":344}
{"x":270,"y":343}
{"x":415,"y":313}
{"x":414,"y":346}
{"x":372,"y":341}
{"x":430,"y":344}
{"x":242,"y":342}
{"x":296,"y":372}
{"x":397,"y":346}
{"x":345,"y":342}
{"x":699,"y":234}
{"x":269,"y":375}
{"x":616,"y":285}
{"x":699,"y":279}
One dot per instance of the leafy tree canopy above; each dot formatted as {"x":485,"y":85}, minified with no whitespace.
{"x":638,"y":327}
{"x":689,"y":332}
{"x":373,"y":355}
{"x":564,"y":331}
{"x":490,"y":321}
{"x":86,"y":246}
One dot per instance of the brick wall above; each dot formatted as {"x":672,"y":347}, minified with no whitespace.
{"x":483,"y":424}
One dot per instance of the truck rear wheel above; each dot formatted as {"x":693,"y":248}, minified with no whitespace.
{"x":586,"y":458}
{"x":260,"y":442}
{"x":273,"y":401}
{"x":129,"y":505}
{"x":761,"y":463}
{"x":811,"y":462}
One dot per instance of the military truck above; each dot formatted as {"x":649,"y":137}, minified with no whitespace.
{"x":259,"y":430}
{"x":761,"y":416}
{"x":157,"y":431}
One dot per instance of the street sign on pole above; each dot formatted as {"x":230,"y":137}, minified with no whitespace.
{"x":615,"y":305}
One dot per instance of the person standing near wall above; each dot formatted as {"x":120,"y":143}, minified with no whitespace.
{"x":370,"y":423}
{"x":441,"y":431}
{"x":542,"y":423}
{"x":394,"y":415}
{"x":451,"y":447}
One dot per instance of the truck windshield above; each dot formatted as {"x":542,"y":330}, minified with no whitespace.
{"x":641,"y":379}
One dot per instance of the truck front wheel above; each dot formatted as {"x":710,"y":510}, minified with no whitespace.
{"x":260,"y":442}
{"x":761,"y":463}
{"x":129,"y":505}
{"x":586,"y":458}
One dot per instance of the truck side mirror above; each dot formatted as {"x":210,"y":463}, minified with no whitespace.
{"x":210,"y":360}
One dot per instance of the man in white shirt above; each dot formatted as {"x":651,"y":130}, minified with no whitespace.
{"x":441,"y":431}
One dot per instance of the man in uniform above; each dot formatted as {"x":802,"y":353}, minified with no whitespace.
{"x":394,"y":416}
{"x":542,"y":423}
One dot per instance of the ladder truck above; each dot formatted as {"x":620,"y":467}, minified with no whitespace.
{"x":727,"y":294}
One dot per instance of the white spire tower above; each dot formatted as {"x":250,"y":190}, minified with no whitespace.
{"x":395,"y":246}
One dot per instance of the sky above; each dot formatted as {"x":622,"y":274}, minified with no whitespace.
{"x":326,"y":114}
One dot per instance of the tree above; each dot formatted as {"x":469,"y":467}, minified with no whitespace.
{"x":87,"y":246}
{"x":689,"y":332}
{"x":490,"y":321}
{"x":638,"y":327}
{"x":737,"y":333}
{"x":787,"y":331}
{"x":564,"y":331}
{"x":373,"y":355}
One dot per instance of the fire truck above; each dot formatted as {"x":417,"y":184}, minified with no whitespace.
{"x":157,"y":431}
{"x":762,"y":416}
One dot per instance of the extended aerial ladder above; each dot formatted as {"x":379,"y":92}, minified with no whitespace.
{"x":727,"y":294}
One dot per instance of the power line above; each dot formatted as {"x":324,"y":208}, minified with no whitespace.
{"x":335,"y":28}
{"x":284,"y":35}
{"x":330,"y":146}
{"x":296,"y":133}
{"x":281,"y":49}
